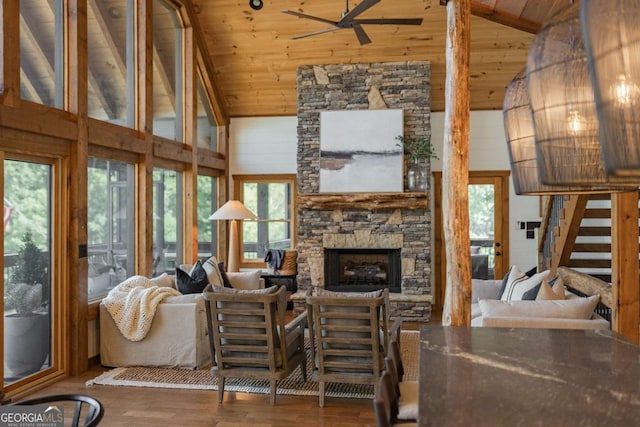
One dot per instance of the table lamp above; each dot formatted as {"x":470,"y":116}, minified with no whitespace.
{"x":233,"y":210}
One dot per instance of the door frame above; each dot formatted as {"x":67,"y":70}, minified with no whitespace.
{"x":500,"y":180}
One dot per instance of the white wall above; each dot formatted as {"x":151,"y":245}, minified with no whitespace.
{"x":262,"y":145}
{"x":268,"y":145}
{"x":488,"y":151}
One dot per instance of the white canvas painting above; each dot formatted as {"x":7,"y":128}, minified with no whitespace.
{"x":359,"y":151}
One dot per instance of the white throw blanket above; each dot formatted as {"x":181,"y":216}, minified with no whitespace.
{"x":133,"y":303}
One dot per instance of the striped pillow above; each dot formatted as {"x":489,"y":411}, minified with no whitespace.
{"x":518,"y":284}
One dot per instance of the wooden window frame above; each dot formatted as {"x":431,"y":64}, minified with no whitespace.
{"x":290,"y":179}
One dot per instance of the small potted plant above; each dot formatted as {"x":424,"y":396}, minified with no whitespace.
{"x":419,"y":150}
{"x":27,"y":330}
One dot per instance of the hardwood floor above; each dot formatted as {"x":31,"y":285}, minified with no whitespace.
{"x":133,"y":406}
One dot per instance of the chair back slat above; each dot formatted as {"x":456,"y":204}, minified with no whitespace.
{"x":248,"y":336}
{"x":350,"y":336}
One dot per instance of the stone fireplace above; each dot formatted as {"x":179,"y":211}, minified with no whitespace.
{"x":356,"y":241}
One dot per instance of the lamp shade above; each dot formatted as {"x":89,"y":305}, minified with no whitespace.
{"x":519,"y":132}
{"x":563,"y":106}
{"x":611,"y":30}
{"x":233,"y":209}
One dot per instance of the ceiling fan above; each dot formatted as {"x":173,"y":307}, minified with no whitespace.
{"x":348,"y":20}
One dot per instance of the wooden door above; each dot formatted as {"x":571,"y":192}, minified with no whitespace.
{"x":488,"y":226}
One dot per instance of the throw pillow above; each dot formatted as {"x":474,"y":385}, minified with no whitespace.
{"x":505,"y":279}
{"x":213,"y":271}
{"x":193,"y":283}
{"x":246,"y":280}
{"x":518,"y":283}
{"x":575,"y":308}
{"x":548,"y":292}
{"x":223,"y":273}
{"x":164,"y":280}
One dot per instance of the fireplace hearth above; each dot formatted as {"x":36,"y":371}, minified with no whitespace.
{"x":362,"y":269}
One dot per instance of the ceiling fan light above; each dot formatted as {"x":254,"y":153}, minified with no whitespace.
{"x":612,"y":42}
{"x":563,"y":105}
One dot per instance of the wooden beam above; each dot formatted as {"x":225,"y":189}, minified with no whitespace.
{"x":624,"y":265}
{"x":371,"y":201}
{"x":455,"y":167}
{"x":76,"y":87}
{"x":586,"y":284}
{"x":10,"y":56}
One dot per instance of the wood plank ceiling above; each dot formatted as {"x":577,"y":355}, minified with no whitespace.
{"x":256,"y":59}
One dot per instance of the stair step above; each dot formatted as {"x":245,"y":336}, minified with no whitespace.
{"x":594,"y":231}
{"x":592,"y":247}
{"x":601,"y":213}
{"x":602,"y":196}
{"x":590,"y":263}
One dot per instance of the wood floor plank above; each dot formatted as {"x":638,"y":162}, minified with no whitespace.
{"x":157,"y":407}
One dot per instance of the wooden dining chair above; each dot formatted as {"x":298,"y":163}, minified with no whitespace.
{"x":384,"y":404}
{"x":406,"y":392}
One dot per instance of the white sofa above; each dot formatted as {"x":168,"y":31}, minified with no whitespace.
{"x":178,"y":333}
{"x":528,"y":316}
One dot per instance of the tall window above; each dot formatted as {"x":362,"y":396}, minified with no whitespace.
{"x":167,"y":220}
{"x":110,"y":224}
{"x":207,"y":230}
{"x":167,"y":72}
{"x":206,"y":124}
{"x":41,"y":54}
{"x":27,"y":269}
{"x":271,"y":198}
{"x":110,"y":60}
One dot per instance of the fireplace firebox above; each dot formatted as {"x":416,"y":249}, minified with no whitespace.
{"x":355,"y":270}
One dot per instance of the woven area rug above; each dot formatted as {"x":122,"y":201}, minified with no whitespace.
{"x":293,"y":385}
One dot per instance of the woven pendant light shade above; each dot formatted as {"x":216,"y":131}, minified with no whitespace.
{"x":563,"y":105}
{"x":612,"y":40}
{"x":518,"y":128}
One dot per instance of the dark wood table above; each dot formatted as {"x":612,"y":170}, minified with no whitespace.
{"x":527,"y":377}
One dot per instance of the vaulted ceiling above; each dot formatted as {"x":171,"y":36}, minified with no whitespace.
{"x":256,"y":60}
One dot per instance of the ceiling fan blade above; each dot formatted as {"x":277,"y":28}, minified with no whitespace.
{"x":363,"y":38}
{"x":390,"y":21}
{"x":328,"y":30}
{"x":315,"y":18}
{"x":361,"y":7}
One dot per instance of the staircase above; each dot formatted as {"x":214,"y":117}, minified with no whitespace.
{"x":578,"y":234}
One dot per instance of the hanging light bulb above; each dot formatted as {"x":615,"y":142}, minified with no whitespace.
{"x":612,"y":41}
{"x":624,"y":91}
{"x":576,"y":122}
{"x":563,"y":106}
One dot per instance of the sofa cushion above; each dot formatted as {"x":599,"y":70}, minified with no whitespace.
{"x":213,"y":271}
{"x":194,"y":282}
{"x":518,"y":284}
{"x":575,"y":308}
{"x":165,"y":281}
{"x":249,"y":280}
{"x":549,"y":291}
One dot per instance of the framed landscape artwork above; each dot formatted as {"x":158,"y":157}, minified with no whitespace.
{"x":359,"y":151}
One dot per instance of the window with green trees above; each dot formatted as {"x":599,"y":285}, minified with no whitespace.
{"x":271,"y":198}
{"x":110,"y":224}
